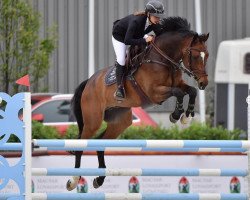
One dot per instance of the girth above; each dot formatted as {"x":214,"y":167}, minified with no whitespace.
{"x":146,"y":102}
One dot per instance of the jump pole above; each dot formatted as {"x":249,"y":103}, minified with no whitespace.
{"x":27,"y":144}
{"x":248,"y":132}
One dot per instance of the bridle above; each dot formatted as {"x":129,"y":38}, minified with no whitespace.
{"x":180,"y":65}
{"x":189,"y":64}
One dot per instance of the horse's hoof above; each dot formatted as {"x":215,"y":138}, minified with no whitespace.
{"x":95,"y":183}
{"x":71,"y":184}
{"x":98,"y":181}
{"x":172,"y":119}
{"x":184,"y":119}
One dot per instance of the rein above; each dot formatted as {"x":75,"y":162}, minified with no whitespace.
{"x":179,"y":65}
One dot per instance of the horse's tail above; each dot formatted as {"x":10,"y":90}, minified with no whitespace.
{"x":76,"y":105}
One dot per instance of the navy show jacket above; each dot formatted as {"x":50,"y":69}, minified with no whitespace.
{"x":130,"y":29}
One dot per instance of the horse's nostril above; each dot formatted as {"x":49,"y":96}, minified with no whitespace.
{"x":202,"y":85}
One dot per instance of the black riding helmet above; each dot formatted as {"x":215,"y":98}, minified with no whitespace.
{"x":155,"y":8}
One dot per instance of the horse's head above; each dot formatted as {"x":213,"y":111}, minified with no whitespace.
{"x":195,"y":57}
{"x":177,"y":41}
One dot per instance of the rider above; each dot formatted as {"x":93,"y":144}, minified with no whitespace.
{"x":132,"y":30}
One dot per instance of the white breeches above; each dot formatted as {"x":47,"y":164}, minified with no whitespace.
{"x":120,"y":51}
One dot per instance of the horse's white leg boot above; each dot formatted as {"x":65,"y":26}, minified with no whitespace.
{"x":72,"y":183}
{"x":185,"y":119}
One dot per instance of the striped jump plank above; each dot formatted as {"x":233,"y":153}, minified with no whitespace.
{"x":136,"y":172}
{"x":145,"y":149}
{"x":152,"y":196}
{"x":18,"y":147}
{"x":143,"y":143}
{"x":122,"y":196}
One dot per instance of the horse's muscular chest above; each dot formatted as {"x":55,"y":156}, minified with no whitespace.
{"x":157,"y":81}
{"x":168,"y":77}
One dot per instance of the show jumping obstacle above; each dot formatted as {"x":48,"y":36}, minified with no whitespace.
{"x":21,"y":173}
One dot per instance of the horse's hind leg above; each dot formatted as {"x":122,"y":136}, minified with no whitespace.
{"x":72,"y":183}
{"x":114,"y":129}
{"x":97,"y":182}
{"x":93,"y":117}
{"x":179,"y":94}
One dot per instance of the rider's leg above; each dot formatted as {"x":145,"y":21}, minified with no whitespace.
{"x":120,"y":51}
{"x":120,"y":92}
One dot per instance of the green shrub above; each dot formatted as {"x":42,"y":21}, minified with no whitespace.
{"x":39,"y":131}
{"x":196,"y":131}
{"x":72,"y":131}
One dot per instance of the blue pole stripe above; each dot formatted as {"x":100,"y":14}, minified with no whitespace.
{"x":233,"y":150}
{"x":76,"y":172}
{"x":229,"y":172}
{"x":76,"y":196}
{"x":212,"y":144}
{"x":143,"y":143}
{"x":234,"y":197}
{"x":139,"y":172}
{"x":50,"y":143}
{"x":170,"y":172}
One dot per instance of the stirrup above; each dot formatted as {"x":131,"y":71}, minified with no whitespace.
{"x":119,"y":94}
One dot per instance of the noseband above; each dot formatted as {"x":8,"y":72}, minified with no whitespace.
{"x":179,"y":65}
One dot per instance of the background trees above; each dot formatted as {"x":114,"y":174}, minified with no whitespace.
{"x":22,"y":51}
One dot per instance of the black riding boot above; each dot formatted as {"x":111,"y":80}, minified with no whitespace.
{"x":120,"y":92}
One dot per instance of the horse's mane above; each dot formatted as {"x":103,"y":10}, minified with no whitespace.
{"x":171,"y":24}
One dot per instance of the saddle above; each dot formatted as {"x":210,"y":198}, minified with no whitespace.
{"x":134,"y":59}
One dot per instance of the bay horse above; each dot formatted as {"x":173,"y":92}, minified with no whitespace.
{"x":176,"y":49}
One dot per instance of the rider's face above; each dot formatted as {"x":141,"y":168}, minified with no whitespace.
{"x":154,"y":20}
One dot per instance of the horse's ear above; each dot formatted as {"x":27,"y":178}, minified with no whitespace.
{"x":204,"y":37}
{"x":196,"y":36}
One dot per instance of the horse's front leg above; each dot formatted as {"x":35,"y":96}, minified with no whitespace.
{"x":192,"y":92}
{"x":179,"y":94}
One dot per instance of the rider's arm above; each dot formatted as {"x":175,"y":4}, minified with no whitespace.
{"x":129,"y":37}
